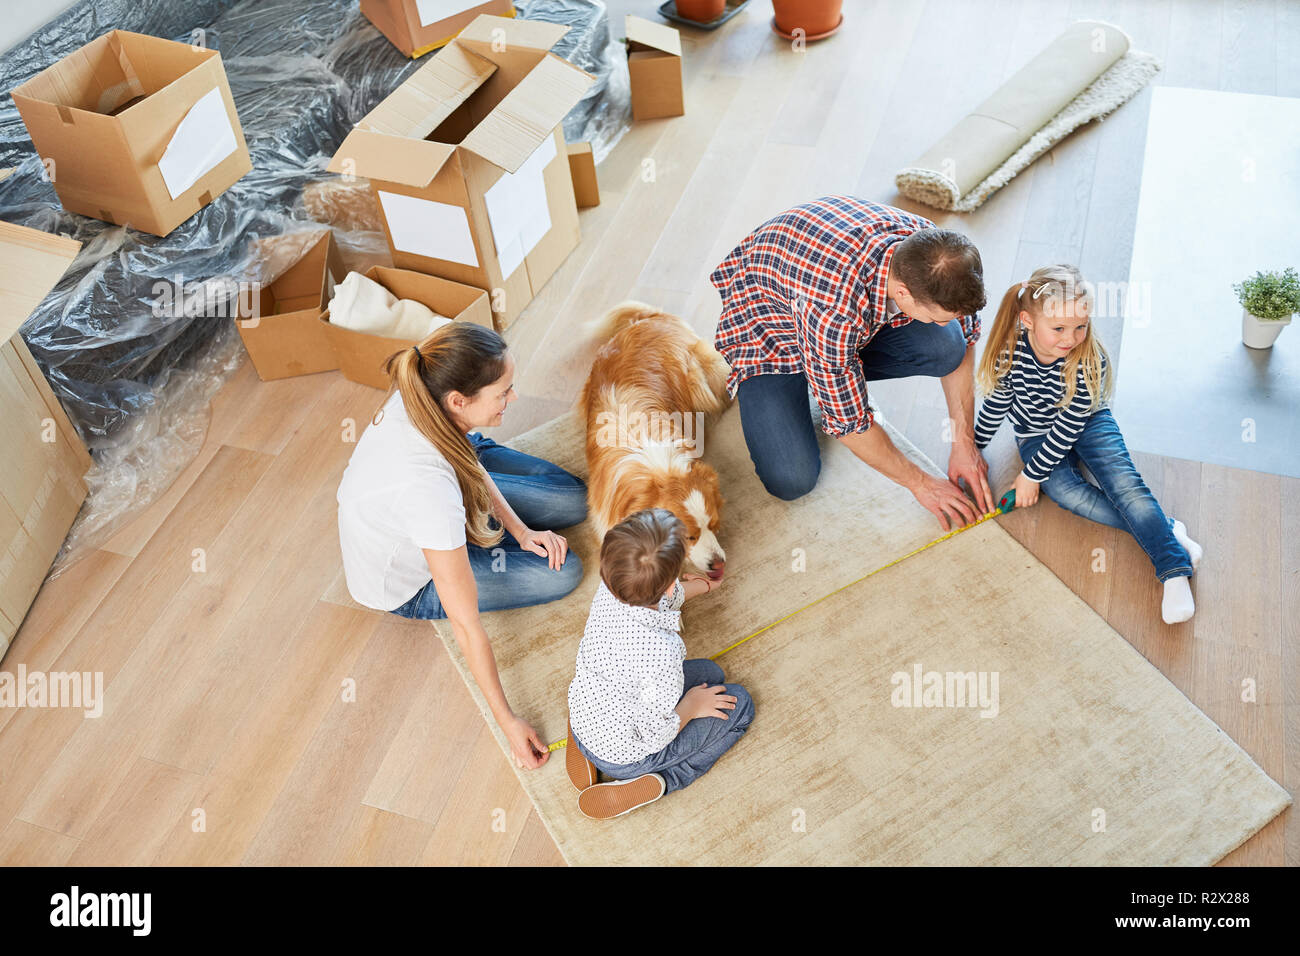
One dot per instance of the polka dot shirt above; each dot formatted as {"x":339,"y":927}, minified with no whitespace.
{"x":629,"y":677}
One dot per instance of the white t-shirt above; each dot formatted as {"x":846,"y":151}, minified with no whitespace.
{"x":398,"y":495}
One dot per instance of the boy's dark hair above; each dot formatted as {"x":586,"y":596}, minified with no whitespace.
{"x":642,"y":555}
{"x":942,"y":267}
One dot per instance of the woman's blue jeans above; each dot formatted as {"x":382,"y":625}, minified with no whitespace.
{"x":1120,"y":498}
{"x":545,"y":497}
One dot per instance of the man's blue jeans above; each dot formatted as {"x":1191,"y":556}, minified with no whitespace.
{"x":1122,"y":501}
{"x":774,"y":410}
{"x":545,"y":497}
{"x":698,"y":744}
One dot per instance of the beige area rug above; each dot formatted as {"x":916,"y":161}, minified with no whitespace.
{"x":1093,"y":757}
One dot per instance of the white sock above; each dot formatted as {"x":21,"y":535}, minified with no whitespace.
{"x":1194,"y":550}
{"x":1177,"y":605}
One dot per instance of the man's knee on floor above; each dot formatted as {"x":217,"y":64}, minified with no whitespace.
{"x":793,"y":483}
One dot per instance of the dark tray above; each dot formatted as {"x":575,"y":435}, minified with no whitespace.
{"x":669,"y":12}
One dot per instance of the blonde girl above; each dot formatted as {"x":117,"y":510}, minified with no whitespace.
{"x":1044,"y":366}
{"x":436,"y":521}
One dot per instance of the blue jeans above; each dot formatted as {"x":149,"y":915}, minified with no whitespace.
{"x":1122,"y":501}
{"x":698,"y":744}
{"x":545,"y":497}
{"x":774,"y":412}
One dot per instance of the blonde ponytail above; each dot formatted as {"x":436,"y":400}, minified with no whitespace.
{"x":461,"y":357}
{"x":1050,"y":287}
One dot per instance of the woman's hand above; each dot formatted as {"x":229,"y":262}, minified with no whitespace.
{"x":1026,"y":491}
{"x":547,"y":544}
{"x":526,"y":747}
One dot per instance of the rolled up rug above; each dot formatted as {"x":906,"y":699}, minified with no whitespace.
{"x":1085,"y":73}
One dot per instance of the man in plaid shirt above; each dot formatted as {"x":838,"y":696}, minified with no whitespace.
{"x":835,"y":293}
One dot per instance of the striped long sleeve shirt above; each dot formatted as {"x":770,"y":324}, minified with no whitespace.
{"x":1030,"y":392}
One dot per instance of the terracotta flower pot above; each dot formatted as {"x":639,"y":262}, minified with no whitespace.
{"x":701,"y":11}
{"x":813,"y":17}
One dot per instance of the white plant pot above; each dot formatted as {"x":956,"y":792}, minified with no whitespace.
{"x":1257,"y":333}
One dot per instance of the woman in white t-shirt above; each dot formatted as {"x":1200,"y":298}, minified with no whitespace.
{"x":436,"y":521}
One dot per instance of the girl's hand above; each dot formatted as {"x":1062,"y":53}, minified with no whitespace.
{"x":547,"y":544}
{"x":525,"y":746}
{"x":1026,"y":491}
{"x":706,"y":701}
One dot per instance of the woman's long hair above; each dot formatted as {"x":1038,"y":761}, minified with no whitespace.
{"x":461,"y":357}
{"x":1050,"y":287}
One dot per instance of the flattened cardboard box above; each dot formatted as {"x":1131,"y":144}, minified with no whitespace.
{"x":41,"y":483}
{"x":136,"y":129}
{"x":654,"y":67}
{"x":417,"y":26}
{"x":468,"y":163}
{"x":361,"y":356}
{"x":286,"y":338}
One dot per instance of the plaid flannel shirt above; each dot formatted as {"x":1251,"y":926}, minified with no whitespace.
{"x":805,"y":291}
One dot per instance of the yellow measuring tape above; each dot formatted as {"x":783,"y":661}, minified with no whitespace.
{"x":1006,"y":503}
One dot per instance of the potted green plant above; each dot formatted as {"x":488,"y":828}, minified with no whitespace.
{"x":1268,"y":300}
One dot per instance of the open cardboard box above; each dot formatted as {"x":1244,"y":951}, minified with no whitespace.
{"x":361,"y":356}
{"x":468,"y":162}
{"x":417,"y":26}
{"x":286,"y":338}
{"x":135,"y":129}
{"x":654,"y":67}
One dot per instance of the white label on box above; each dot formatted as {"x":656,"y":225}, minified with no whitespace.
{"x":202,"y":140}
{"x":431,"y":11}
{"x":517,"y":210}
{"x":423,"y":227}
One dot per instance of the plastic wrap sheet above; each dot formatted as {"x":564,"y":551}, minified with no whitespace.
{"x":136,"y":379}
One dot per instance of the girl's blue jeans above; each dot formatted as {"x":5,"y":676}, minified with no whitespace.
{"x":1120,"y":498}
{"x":545,"y":497}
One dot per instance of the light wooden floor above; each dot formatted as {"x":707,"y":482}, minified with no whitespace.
{"x":226,"y":686}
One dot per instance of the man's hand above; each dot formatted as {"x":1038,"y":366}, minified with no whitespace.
{"x":526,"y":747}
{"x":945,"y":501}
{"x":965,"y":463}
{"x":1026,"y":491}
{"x":546,"y":544}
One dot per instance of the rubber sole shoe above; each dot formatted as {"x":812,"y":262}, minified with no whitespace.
{"x":582,"y":772}
{"x":607,"y":800}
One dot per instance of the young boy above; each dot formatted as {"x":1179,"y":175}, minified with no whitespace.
{"x":628,"y":717}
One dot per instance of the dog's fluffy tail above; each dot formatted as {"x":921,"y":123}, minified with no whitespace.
{"x":618,"y":318}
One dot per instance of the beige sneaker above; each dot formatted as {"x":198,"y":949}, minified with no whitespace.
{"x":582,"y":772}
{"x":606,"y":800}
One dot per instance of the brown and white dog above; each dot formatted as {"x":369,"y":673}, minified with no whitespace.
{"x":651,"y":387}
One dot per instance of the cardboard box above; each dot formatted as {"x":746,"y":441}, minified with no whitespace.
{"x":286,"y":338}
{"x":135,"y":129}
{"x":44,"y":460}
{"x":582,"y":168}
{"x":654,"y":66}
{"x":468,"y":163}
{"x":417,"y":26}
{"x":361,"y":356}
